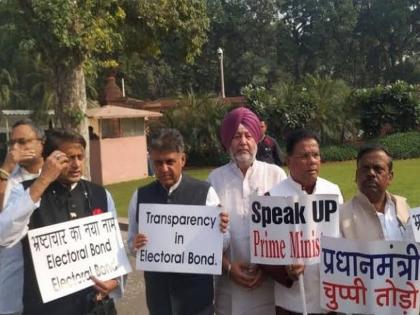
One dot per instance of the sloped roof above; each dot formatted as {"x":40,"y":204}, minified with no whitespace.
{"x":110,"y":111}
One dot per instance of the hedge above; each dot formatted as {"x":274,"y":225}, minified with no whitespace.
{"x":338,"y":153}
{"x":400,"y":145}
{"x":403,"y":145}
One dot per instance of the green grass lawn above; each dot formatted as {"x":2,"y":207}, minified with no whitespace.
{"x":406,"y":181}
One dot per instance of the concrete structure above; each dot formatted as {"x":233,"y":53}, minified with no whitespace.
{"x":118,"y":150}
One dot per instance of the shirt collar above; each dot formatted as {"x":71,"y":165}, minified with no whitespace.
{"x":299,"y":187}
{"x":73,"y":186}
{"x":61,"y":187}
{"x":388,"y":204}
{"x":24,"y":172}
{"x":364,"y":200}
{"x":175,"y":186}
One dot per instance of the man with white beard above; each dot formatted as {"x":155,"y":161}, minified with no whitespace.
{"x":242,"y":288}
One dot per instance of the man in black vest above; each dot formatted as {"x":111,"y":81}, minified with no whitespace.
{"x":59,"y":194}
{"x":173,"y":293}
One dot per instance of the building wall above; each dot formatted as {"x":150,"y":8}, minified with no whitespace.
{"x":95,"y":161}
{"x":119,"y":160}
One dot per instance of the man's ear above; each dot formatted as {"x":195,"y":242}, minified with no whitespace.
{"x":183,"y":159}
{"x":391,"y":175}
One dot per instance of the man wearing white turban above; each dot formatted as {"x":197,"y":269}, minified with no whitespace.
{"x":242,"y":288}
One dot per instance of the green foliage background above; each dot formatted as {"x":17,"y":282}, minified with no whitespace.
{"x":405,"y":182}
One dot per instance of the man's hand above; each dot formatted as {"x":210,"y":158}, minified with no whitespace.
{"x":55,"y":163}
{"x":104,"y":287}
{"x":224,"y":221}
{"x":246,"y":275}
{"x":294,"y":271}
{"x":139,"y":241}
{"x":16,"y":155}
{"x":259,"y":277}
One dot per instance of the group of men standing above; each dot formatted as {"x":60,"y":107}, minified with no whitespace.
{"x":243,"y":288}
{"x":246,"y":288}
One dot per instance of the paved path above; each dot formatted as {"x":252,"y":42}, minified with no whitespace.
{"x":134,"y":300}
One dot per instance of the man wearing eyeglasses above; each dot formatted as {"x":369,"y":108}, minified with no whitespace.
{"x":304,"y":162}
{"x":23,"y":162}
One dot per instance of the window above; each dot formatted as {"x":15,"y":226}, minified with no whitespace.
{"x":122,"y":127}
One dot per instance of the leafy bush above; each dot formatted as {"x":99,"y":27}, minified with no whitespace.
{"x":198,"y":118}
{"x":320,"y":104}
{"x":403,"y":145}
{"x":388,"y":109}
{"x":400,"y":145}
{"x":338,"y":153}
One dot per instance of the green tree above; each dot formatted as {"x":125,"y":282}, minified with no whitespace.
{"x":74,"y":35}
{"x":161,"y":38}
{"x":388,"y":34}
{"x":330,"y":117}
{"x":66,"y":34}
{"x":315,"y":36}
{"x":71,"y":36}
{"x":388,"y":109}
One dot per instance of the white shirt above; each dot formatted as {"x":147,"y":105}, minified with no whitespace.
{"x":389,"y":222}
{"x":11,"y":258}
{"x":15,"y":218}
{"x":133,"y":227}
{"x":290,"y":298}
{"x":235,"y":190}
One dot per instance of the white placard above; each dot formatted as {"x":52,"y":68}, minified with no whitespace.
{"x":287,"y":230}
{"x":66,"y":254}
{"x":181,"y":238}
{"x":415,"y":222}
{"x":377,"y":277}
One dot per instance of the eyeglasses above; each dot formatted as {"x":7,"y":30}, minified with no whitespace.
{"x":21,"y":141}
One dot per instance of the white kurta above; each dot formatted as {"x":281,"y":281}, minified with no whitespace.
{"x":234,"y":190}
{"x":290,"y":298}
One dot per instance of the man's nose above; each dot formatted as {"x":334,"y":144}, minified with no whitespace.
{"x":75,"y":162}
{"x":242,"y":139}
{"x":371,"y":172}
{"x":312,"y":158}
{"x":165,"y":167}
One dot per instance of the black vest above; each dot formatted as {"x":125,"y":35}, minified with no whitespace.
{"x":192,"y":293}
{"x":59,"y":204}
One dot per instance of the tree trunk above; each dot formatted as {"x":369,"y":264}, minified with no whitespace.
{"x":72,"y":104}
